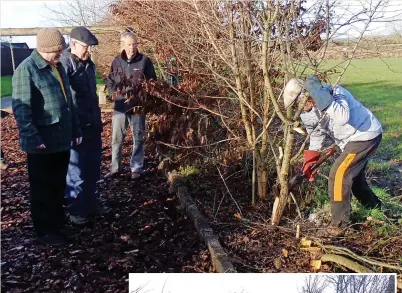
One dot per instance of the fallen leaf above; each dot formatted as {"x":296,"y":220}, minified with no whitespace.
{"x":285,"y":252}
{"x":277,"y":263}
{"x":237,"y":216}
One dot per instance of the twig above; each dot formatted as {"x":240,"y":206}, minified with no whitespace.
{"x":217,"y":210}
{"x":195,"y":146}
{"x":357,"y":43}
{"x":227,"y":188}
{"x":297,"y":206}
{"x":346,"y":251}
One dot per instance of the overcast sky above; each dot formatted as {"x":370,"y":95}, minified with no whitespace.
{"x":33,"y":13}
{"x":217,"y":283}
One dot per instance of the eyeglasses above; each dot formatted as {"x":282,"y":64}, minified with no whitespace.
{"x":85,"y":46}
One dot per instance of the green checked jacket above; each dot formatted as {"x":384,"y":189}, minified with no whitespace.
{"x":43,"y":114}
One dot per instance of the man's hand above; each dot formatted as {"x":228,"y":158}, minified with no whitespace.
{"x":41,"y":147}
{"x":310,"y":158}
{"x":78,"y":140}
{"x":137,"y":110}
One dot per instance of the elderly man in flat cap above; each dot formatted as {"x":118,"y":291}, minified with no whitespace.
{"x":85,"y":160}
{"x":48,"y":125}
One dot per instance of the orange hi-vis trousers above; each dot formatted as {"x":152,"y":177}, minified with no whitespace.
{"x":348,"y":176}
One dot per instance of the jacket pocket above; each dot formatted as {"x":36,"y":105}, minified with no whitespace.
{"x":48,"y":120}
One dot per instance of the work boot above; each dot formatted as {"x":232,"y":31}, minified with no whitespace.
{"x":111,"y":175}
{"x":100,"y":210}
{"x":70,"y":232}
{"x":52,"y":239}
{"x":78,"y":220}
{"x":135,"y":175}
{"x":333,"y":231}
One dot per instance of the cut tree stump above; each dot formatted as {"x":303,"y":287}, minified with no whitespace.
{"x":220,"y":259}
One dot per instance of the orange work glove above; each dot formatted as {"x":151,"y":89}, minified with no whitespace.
{"x":310,"y":158}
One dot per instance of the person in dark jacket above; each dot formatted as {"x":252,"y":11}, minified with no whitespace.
{"x":48,"y":126}
{"x":126,"y":72}
{"x":85,"y":159}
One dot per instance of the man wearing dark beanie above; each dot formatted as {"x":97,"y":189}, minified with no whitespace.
{"x":85,"y":159}
{"x":48,"y":125}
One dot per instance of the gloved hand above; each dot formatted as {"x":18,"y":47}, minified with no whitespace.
{"x":310,"y":158}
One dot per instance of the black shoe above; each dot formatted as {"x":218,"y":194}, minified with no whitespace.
{"x":52,"y":239}
{"x":70,"y":232}
{"x":111,"y":175}
{"x":100,"y":210}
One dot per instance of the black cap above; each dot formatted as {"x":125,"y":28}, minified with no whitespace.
{"x":82,"y":34}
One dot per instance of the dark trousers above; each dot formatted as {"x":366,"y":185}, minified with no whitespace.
{"x":47,"y":177}
{"x":348,"y":176}
{"x":83,"y":173}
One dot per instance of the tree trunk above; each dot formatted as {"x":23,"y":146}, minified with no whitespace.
{"x":283,"y":179}
{"x":391,"y":285}
{"x":262,"y":179}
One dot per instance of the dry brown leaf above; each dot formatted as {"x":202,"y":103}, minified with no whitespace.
{"x":237,"y":216}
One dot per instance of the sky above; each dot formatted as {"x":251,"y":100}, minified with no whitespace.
{"x":33,"y":13}
{"x":225,"y":283}
{"x":217,"y":283}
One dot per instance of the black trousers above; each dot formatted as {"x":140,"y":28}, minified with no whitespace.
{"x":348,"y":176}
{"x":47,"y":177}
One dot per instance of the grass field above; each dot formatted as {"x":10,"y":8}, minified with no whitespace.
{"x":6,"y":88}
{"x":377,"y":84}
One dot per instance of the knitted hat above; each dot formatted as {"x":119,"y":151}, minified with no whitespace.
{"x":293,"y":91}
{"x":50,"y":40}
{"x":320,"y":94}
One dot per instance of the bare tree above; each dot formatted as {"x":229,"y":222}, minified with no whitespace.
{"x":314,"y":284}
{"x":235,"y":57}
{"x":360,"y":283}
{"x":80,"y":12}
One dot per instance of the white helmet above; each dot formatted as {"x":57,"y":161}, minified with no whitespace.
{"x":293,"y":91}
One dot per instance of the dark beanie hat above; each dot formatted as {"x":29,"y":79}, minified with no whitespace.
{"x":49,"y":40}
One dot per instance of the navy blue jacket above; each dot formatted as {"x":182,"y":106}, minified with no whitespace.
{"x":82,"y":75}
{"x":126,"y":74}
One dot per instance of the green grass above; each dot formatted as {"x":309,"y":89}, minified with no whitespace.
{"x":6,"y":87}
{"x":377,"y":84}
{"x":99,"y":79}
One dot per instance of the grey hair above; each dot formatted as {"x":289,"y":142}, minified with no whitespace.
{"x":127,"y":35}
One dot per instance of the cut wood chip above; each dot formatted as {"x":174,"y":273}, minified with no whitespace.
{"x":280,"y":153}
{"x":316,"y":264}
{"x":299,"y":130}
{"x":311,"y":249}
{"x":276,"y":203}
{"x":305,"y":242}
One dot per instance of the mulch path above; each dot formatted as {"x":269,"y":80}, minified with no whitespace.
{"x":143,"y":233}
